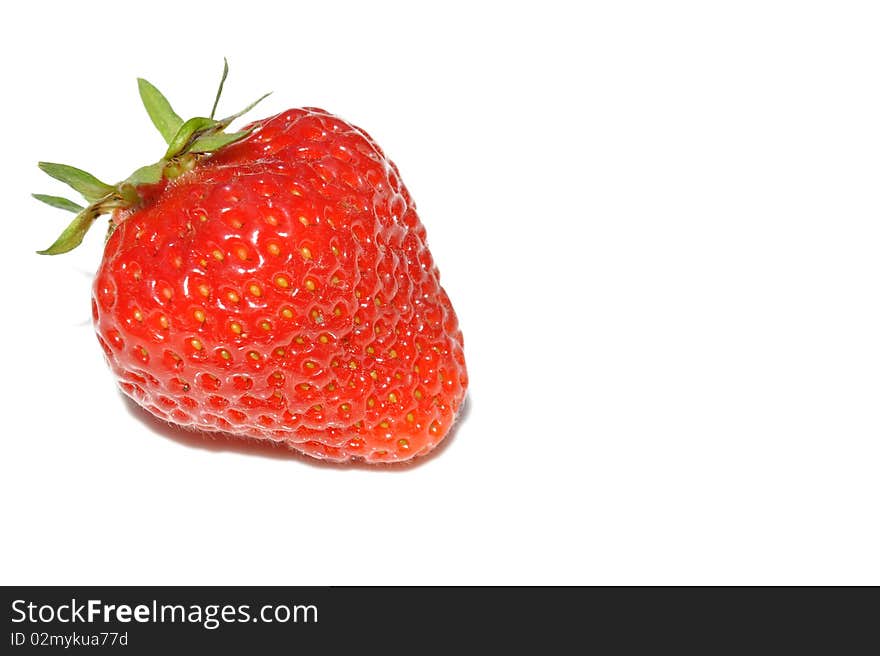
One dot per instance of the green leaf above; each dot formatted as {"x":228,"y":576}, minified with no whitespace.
{"x":73,"y":234}
{"x":220,"y":88}
{"x":59,"y":202}
{"x":159,"y":109}
{"x":211,"y":142}
{"x":187,"y":133}
{"x":85,"y":183}
{"x":147,"y":174}
{"x":229,"y":119}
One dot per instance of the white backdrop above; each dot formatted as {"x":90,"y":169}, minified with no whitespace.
{"x":658,"y":223}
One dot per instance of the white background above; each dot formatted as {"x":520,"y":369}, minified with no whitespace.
{"x":658,"y":223}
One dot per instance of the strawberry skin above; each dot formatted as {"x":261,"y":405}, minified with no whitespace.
{"x":282,"y":289}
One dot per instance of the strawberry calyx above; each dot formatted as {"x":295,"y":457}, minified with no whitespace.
{"x":187,"y":142}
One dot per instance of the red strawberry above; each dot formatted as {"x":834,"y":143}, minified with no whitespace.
{"x":274,"y":283}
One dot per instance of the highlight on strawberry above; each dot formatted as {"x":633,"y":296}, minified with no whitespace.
{"x":272,"y":283}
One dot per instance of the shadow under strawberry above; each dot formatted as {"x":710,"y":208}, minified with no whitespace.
{"x":227,"y":442}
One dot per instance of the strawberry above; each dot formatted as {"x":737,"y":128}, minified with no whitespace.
{"x":273,"y":283}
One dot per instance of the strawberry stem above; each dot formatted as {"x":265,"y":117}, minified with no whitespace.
{"x":188,"y":141}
